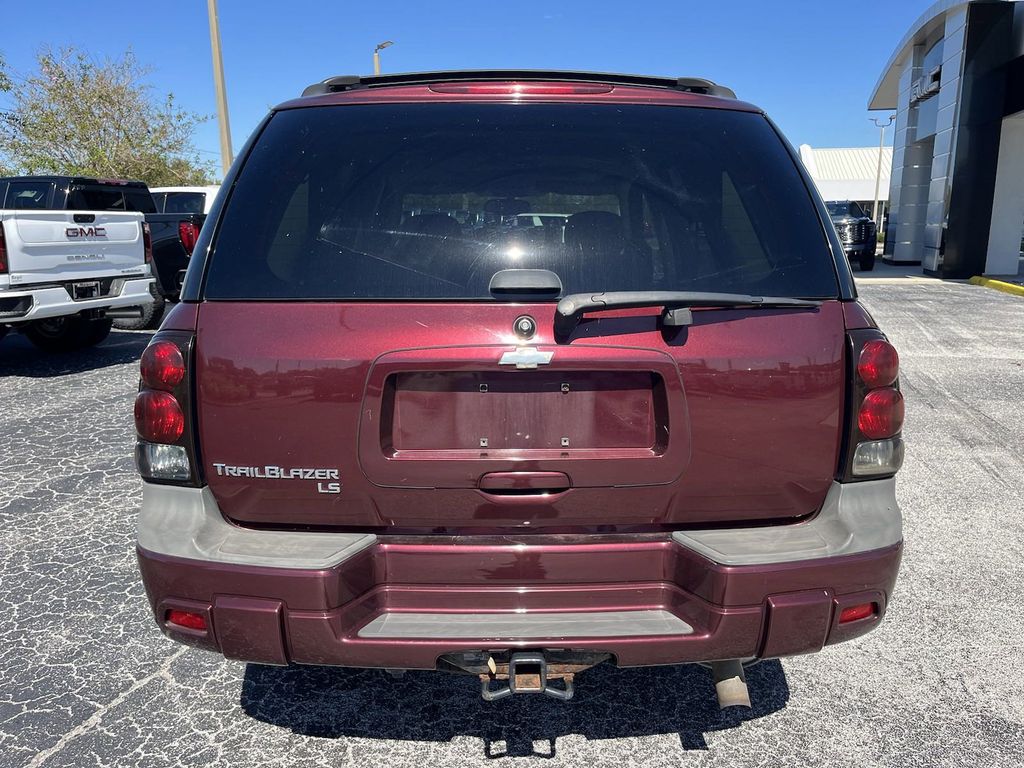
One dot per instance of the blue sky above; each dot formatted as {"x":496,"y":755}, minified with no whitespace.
{"x":810,"y":64}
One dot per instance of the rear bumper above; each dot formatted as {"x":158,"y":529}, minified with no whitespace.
{"x":366,"y":601}
{"x":54,"y":301}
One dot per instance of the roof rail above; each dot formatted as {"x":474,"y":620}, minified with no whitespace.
{"x":352,"y":82}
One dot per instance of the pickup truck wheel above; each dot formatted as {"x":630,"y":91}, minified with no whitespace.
{"x":867,"y":262}
{"x":151,"y":317}
{"x":93,"y":332}
{"x":66,"y":334}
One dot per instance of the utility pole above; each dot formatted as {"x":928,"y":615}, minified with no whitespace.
{"x":878,"y":170}
{"x":226,"y":155}
{"x":376,"y":55}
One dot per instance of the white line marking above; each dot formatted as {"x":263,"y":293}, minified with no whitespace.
{"x":97,"y":717}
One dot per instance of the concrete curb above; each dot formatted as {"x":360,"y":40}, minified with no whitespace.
{"x":998,"y":285}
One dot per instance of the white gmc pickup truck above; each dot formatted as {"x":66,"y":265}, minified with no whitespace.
{"x":74,"y":255}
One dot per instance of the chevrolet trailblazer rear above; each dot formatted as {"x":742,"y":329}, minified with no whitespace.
{"x":516,"y":373}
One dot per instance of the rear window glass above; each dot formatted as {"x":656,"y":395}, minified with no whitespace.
{"x":28,"y":194}
{"x":139,"y":200}
{"x":110,"y":198}
{"x":428,"y":201}
{"x":846,"y":209}
{"x":184,"y":202}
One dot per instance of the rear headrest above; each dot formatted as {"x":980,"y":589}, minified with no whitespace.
{"x":590,"y":226}
{"x":507,"y":206}
{"x":435,"y":224}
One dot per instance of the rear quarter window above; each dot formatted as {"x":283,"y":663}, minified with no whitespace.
{"x":428,"y":201}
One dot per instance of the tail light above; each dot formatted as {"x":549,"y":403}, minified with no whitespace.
{"x":166,"y":450}
{"x":881,"y":413}
{"x":874,"y":446}
{"x":878,"y":364}
{"x":3,"y":251}
{"x":163,"y":366}
{"x":158,"y":417}
{"x":147,"y":243}
{"x":188,"y":232}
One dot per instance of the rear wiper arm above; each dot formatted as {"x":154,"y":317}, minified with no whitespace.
{"x":676,"y":304}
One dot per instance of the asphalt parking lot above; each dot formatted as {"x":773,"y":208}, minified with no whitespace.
{"x":86,"y":678}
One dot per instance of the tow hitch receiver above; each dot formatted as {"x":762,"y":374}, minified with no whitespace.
{"x":527,"y":673}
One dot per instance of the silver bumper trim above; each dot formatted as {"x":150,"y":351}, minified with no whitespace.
{"x":186,"y":522}
{"x":855,"y":517}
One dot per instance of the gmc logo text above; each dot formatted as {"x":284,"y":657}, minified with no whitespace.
{"x":73,"y":232}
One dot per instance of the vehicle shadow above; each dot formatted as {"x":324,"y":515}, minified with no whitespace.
{"x":610,"y":703}
{"x":18,"y":357}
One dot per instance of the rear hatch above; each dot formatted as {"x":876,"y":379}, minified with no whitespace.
{"x":356,"y":371}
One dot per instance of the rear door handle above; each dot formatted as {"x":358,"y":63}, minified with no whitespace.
{"x":85,"y":218}
{"x":538,"y":482}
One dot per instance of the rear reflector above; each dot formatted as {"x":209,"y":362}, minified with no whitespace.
{"x":187,"y":619}
{"x":162,"y":462}
{"x":158,"y":417}
{"x":878,"y":364}
{"x":163,"y":366}
{"x":881,"y":413}
{"x":878,"y":457}
{"x":857,"y":612}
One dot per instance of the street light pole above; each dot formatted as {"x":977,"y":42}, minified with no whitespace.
{"x":878,"y":170}
{"x":226,"y":154}
{"x":376,"y":55}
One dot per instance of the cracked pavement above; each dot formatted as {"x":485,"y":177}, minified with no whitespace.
{"x":87,"y":679}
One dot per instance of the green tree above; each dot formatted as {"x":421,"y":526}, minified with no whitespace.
{"x":79,"y":116}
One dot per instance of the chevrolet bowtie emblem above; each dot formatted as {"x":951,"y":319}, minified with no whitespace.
{"x":526,"y":357}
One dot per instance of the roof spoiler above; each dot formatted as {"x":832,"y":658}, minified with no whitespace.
{"x":352,"y":82}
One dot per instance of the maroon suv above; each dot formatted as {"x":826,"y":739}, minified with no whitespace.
{"x":514,"y":373}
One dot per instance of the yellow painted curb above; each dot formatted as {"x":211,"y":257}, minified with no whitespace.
{"x":999,"y":285}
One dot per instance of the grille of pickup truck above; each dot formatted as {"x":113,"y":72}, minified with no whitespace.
{"x":853,"y":232}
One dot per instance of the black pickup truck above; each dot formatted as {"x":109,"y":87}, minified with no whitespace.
{"x":856,"y":230}
{"x":179,"y":215}
{"x":174,"y":236}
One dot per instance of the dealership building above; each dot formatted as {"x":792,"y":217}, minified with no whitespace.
{"x":956,"y":85}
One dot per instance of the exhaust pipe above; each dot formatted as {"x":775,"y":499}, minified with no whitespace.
{"x":730,"y":683}
{"x":124,"y":313}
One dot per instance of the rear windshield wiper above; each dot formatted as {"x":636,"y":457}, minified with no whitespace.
{"x":676,"y":304}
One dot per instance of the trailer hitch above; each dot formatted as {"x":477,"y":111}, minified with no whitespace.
{"x":527,"y":673}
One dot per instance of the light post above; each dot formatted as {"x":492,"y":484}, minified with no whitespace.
{"x":376,"y":55}
{"x":878,"y":170}
{"x":226,"y":154}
